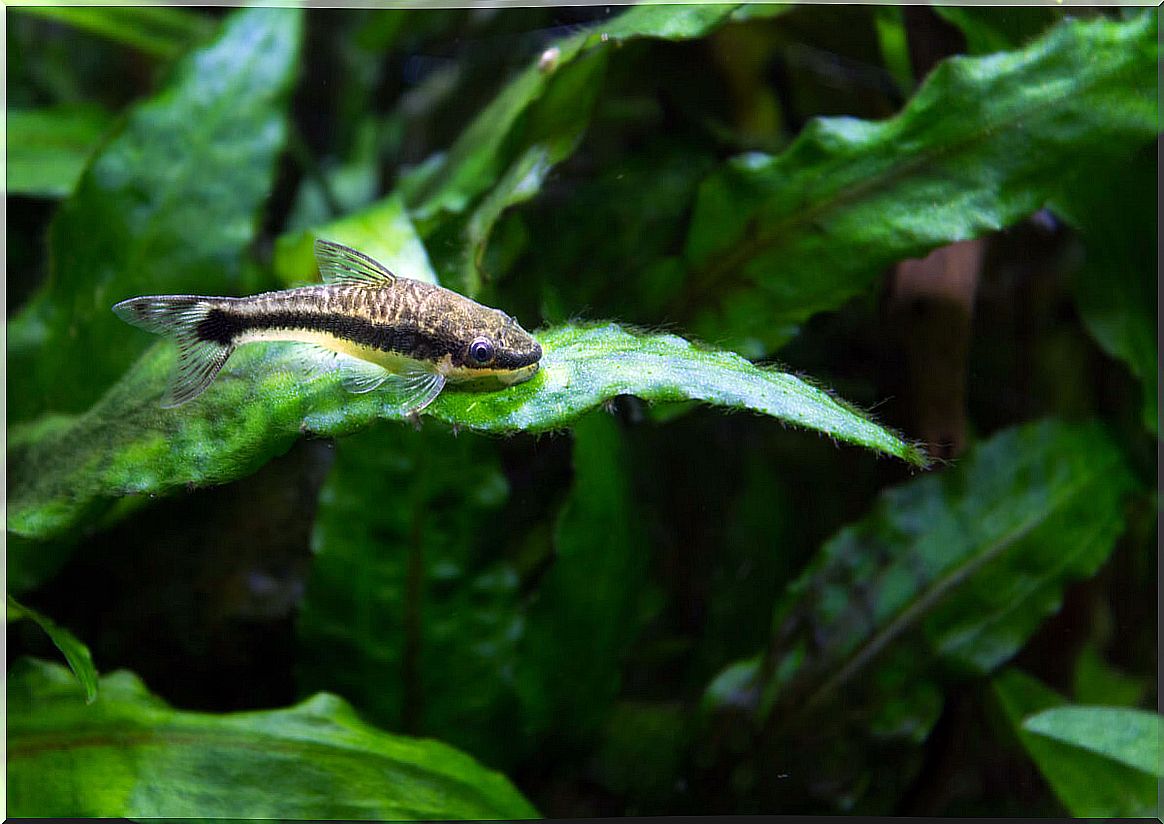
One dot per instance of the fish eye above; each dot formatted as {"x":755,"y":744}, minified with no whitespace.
{"x":481,"y":350}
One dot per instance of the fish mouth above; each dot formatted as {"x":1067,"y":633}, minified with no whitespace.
{"x":492,"y":377}
{"x":515,"y":376}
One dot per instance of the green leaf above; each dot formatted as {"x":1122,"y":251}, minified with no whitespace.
{"x":47,"y":148}
{"x":76,"y":653}
{"x":158,"y":31}
{"x":1089,"y":784}
{"x":495,"y":139}
{"x":587,"y":607}
{"x":129,"y":754}
{"x":1115,"y":289}
{"x":408,"y":611}
{"x":168,"y":205}
{"x":127,"y":445}
{"x":948,"y":575}
{"x":985,"y":142}
{"x":1129,"y":736}
{"x":383,"y":231}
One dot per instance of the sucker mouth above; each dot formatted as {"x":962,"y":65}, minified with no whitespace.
{"x":519,"y":375}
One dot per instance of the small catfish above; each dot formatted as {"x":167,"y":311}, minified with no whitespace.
{"x":378,"y":327}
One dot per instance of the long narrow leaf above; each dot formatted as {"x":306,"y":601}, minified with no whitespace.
{"x":126,"y":444}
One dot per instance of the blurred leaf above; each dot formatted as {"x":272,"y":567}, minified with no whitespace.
{"x":1129,"y":736}
{"x":76,"y":653}
{"x":1088,"y":783}
{"x":156,"y":30}
{"x":408,"y":612}
{"x":1097,"y":682}
{"x":47,"y":148}
{"x":168,"y":205}
{"x":984,"y":142}
{"x":949,"y":574}
{"x":382,"y":231}
{"x":129,"y":754}
{"x":584,"y":615}
{"x":1115,"y":290}
{"x":492,"y":142}
{"x":994,"y":29}
{"x":61,"y":469}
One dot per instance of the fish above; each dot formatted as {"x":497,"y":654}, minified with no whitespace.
{"x":377,"y":328}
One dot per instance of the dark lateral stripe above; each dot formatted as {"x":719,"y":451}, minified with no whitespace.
{"x":223,"y":327}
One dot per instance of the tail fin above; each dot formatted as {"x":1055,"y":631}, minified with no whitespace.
{"x":200,"y":355}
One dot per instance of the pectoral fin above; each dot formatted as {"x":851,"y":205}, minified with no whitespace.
{"x":359,"y":376}
{"x":413,"y":389}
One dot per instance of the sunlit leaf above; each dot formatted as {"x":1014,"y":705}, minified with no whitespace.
{"x":382,"y":231}
{"x":1089,"y":782}
{"x":127,"y":444}
{"x":168,"y":205}
{"x":47,"y":148}
{"x":129,"y":754}
{"x":1129,"y":736}
{"x":985,"y":142}
{"x":76,"y":653}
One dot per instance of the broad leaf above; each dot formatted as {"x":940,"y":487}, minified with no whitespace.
{"x":76,"y":653}
{"x":61,"y":468}
{"x":948,"y":573}
{"x":156,"y":30}
{"x":1089,"y":784}
{"x":1129,"y":736}
{"x":129,"y":754}
{"x":168,"y":205}
{"x":48,"y":148}
{"x":410,"y":613}
{"x":974,"y":558}
{"x":985,"y":142}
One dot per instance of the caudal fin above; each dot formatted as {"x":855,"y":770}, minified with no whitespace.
{"x":181,"y":317}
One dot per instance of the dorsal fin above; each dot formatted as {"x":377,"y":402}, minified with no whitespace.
{"x":342,"y":265}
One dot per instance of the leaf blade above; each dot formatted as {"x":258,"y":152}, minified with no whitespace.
{"x":775,"y":239}
{"x":1128,"y":736}
{"x":129,"y":754}
{"x":76,"y":653}
{"x":127,"y":445}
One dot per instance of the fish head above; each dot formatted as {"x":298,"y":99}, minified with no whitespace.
{"x":496,"y":347}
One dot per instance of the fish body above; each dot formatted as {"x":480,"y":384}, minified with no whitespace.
{"x":379,"y":328}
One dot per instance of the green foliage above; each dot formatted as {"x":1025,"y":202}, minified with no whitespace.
{"x":549,"y":576}
{"x":168,"y":205}
{"x":130,"y":754}
{"x":127,"y":445}
{"x":76,"y":653}
{"x":47,"y":148}
{"x":1101,"y":762}
{"x":947,"y":574}
{"x":982,"y":144}
{"x":1131,"y":737}
{"x":158,"y":31}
